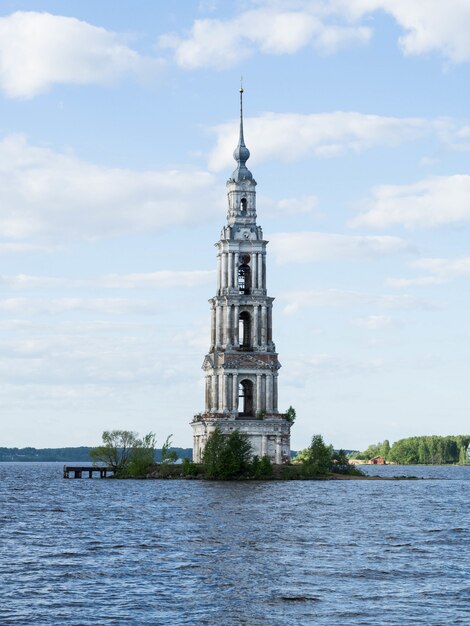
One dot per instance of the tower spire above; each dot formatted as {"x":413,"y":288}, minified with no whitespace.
{"x":241,"y":153}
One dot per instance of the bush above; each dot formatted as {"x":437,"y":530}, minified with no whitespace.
{"x":142,"y":457}
{"x":319,"y":459}
{"x":261,"y":467}
{"x":188,"y":468}
{"x":226,"y":456}
{"x":128,"y":455}
{"x":290,"y":415}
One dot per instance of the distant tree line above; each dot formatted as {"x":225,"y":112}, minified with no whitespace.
{"x":79,"y":454}
{"x":430,"y":449}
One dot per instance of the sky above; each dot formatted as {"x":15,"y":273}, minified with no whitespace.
{"x":118,"y":120}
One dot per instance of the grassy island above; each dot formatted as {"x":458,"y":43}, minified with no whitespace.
{"x":226,"y":457}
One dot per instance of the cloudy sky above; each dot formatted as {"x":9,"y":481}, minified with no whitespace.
{"x":118,"y":121}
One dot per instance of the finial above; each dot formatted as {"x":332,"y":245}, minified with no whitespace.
{"x":241,"y":153}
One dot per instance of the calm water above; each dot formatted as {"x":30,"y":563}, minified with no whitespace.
{"x":104,"y":552}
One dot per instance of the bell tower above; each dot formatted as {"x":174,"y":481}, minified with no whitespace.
{"x":241,"y":368}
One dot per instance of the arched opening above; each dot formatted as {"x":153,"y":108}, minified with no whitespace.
{"x":244,"y":330}
{"x":245,"y":394}
{"x":243,"y":206}
{"x":244,"y":278}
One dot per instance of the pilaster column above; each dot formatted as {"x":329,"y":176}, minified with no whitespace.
{"x":225,"y":393}
{"x":228,"y":326}
{"x":235,"y":270}
{"x":270,"y":324}
{"x":234,"y":391}
{"x":260,"y":272}
{"x":263,"y":392}
{"x":269,"y":393}
{"x":264,"y":445}
{"x":224,"y":270}
{"x":213,"y":327}
{"x":264,"y":324}
{"x":275,"y":401}
{"x":208,"y":394}
{"x":254,"y":270}
{"x":214,"y":404}
{"x":259,"y":404}
{"x":219,"y":272}
{"x":217,"y":326}
{"x":230,"y":270}
{"x":278,"y":450}
{"x":221,"y":392}
{"x":236,"y":326}
{"x":255,"y":327}
{"x":263,"y":279}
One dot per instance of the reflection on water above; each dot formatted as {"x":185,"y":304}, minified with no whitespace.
{"x":91,"y":552}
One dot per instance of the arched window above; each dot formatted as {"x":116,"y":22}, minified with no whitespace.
{"x":244,"y":278}
{"x":245,"y":394}
{"x":244,"y":330}
{"x":243,"y":206}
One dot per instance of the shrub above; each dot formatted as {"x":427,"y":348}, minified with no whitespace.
{"x":226,"y":456}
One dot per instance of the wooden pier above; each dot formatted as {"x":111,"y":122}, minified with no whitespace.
{"x":74,"y":471}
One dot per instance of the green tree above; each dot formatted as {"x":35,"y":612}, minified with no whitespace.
{"x":319,"y":455}
{"x":463,"y":456}
{"x":385,"y":449}
{"x":116,"y":449}
{"x":236,"y":455}
{"x":226,"y":456}
{"x":428,"y":449}
{"x":340,"y":463}
{"x":212,"y":455}
{"x":168,"y":455}
{"x":142,"y":456}
{"x":301,"y":456}
{"x":320,"y":459}
{"x":261,"y":467}
{"x":188,"y":467}
{"x":125,"y":452}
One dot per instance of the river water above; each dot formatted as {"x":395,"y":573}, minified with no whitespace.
{"x":147,"y":553}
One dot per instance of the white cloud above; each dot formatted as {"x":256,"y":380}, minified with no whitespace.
{"x":303,"y":247}
{"x":160,"y":279}
{"x":164,"y":278}
{"x":429,"y":25}
{"x":300,"y":299}
{"x":302,"y":368}
{"x":53,"y":194}
{"x":53,"y":306}
{"x":38,"y":50}
{"x":16,"y":247}
{"x":327,"y":25}
{"x":439,"y":271}
{"x":288,"y":206}
{"x":428,"y":203}
{"x":292,"y":136}
{"x":221,"y":44}
{"x":377,"y":322}
{"x":77,"y":358}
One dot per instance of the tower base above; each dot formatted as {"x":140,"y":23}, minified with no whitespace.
{"x":268,"y":437}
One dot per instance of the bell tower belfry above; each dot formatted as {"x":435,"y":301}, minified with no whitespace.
{"x":241,"y":368}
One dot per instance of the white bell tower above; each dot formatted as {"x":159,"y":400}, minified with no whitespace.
{"x":242,"y":366}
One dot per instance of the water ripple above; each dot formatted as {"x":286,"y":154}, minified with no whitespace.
{"x":144,"y":553}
